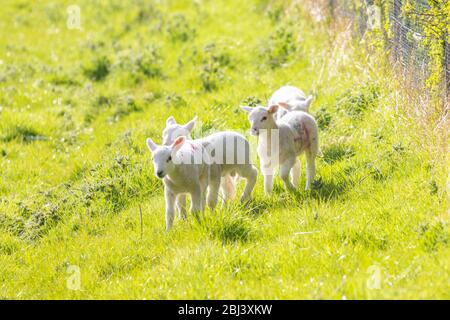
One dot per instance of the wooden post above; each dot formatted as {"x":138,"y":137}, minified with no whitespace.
{"x":362,"y":25}
{"x":396,"y":15}
{"x":383,"y":22}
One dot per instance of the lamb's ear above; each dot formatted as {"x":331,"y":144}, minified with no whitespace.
{"x":247,"y":109}
{"x":284,"y":105}
{"x":272,"y":108}
{"x":178,"y":143}
{"x":151,"y":145}
{"x":190,"y":125}
{"x":170,"y":120}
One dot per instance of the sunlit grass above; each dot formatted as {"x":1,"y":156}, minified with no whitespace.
{"x":76,"y":107}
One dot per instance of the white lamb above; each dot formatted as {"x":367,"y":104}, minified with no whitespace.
{"x":290,"y":99}
{"x":230,"y":150}
{"x":185,"y":167}
{"x":281,"y":141}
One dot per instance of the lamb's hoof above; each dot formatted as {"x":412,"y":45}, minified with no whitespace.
{"x":317,"y":184}
{"x":245,"y":200}
{"x":291,"y":188}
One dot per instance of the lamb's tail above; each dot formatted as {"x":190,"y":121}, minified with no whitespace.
{"x":320,"y":153}
{"x":308,"y":102}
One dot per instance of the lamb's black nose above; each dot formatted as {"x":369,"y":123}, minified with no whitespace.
{"x":160,"y":174}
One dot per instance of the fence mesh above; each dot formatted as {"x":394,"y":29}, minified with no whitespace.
{"x":406,"y":40}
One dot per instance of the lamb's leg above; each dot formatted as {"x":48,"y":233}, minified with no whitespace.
{"x":310,"y":167}
{"x":170,"y":198}
{"x":228,"y":188}
{"x":295,"y":173}
{"x":268,"y":183}
{"x":285,"y":168}
{"x":268,"y":172}
{"x":213,"y":194}
{"x":250,"y":173}
{"x":181,"y":204}
{"x":203,"y":194}
{"x":311,"y":154}
{"x":196,"y":200}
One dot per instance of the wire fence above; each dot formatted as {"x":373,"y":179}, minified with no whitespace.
{"x":405,"y":36}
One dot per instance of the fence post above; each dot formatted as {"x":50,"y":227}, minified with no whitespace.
{"x":332,"y":7}
{"x":362,"y":20}
{"x":396,"y":12}
{"x":383,"y":6}
{"x":446,"y":64}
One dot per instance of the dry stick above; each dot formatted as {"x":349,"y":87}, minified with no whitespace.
{"x":142,"y":226}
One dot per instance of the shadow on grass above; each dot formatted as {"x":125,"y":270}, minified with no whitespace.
{"x":329,"y":190}
{"x":258,"y":206}
{"x":337,"y":152}
{"x":228,"y":226}
{"x":23,"y":134}
{"x":324,"y":190}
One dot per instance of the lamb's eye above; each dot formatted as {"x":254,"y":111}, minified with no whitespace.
{"x":169,"y":158}
{"x":263,"y":119}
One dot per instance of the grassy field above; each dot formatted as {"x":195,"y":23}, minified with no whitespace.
{"x":77,"y":104}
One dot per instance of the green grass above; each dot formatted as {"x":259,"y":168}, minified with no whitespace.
{"x":77,"y":105}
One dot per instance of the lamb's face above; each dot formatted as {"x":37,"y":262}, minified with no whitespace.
{"x":171,"y":132}
{"x":260,"y":118}
{"x":174,"y":130}
{"x":162,"y":161}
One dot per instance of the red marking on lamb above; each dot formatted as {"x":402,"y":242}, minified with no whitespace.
{"x":303,"y":135}
{"x":307,"y":137}
{"x":193,"y":146}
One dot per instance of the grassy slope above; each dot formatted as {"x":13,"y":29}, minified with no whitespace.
{"x":76,"y":170}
